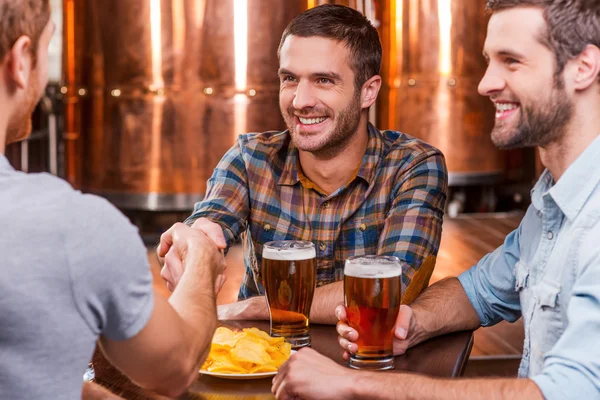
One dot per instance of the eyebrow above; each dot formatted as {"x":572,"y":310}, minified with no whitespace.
{"x":505,"y":53}
{"x":330,"y":75}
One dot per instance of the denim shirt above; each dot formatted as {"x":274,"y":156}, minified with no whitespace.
{"x":548,"y":272}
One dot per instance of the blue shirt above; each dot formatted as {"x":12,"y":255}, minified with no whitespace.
{"x":548,"y":272}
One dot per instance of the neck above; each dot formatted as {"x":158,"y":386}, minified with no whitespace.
{"x":579,"y":134}
{"x":332,"y":172}
{"x":3,"y":121}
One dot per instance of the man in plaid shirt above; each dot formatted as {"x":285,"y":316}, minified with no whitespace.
{"x":332,"y":178}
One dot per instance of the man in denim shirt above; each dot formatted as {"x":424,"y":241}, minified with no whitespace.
{"x":544,"y":80}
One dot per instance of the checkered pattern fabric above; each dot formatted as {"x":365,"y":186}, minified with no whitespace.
{"x":393,"y":206}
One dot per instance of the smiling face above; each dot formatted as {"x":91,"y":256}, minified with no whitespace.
{"x":532,"y":105}
{"x":317,"y":97}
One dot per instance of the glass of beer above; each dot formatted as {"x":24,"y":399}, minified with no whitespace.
{"x":372,"y":286}
{"x":289,"y":279}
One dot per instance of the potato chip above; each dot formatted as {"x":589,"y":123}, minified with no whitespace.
{"x":247,"y":352}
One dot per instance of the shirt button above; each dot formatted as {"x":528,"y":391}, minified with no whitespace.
{"x":323,"y":246}
{"x":267,"y":227}
{"x":326,"y":205}
{"x":550,"y":235}
{"x":362,"y":227}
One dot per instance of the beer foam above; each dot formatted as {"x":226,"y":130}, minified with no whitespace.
{"x":288,"y":254}
{"x":372,"y":271}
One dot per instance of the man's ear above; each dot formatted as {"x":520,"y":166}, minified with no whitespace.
{"x":18,"y":62}
{"x":586,"y":69}
{"x":370,"y":90}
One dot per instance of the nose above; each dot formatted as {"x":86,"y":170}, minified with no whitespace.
{"x":304,"y":96}
{"x":492,"y":82}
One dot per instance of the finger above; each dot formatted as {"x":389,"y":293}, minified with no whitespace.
{"x":170,"y":287}
{"x":165,"y":273}
{"x":212,"y":230}
{"x":346,"y":331}
{"x":340,"y":312}
{"x":347,"y":345}
{"x":346,"y":356}
{"x":166,"y":240}
{"x":403,"y":322}
{"x":175,"y":266}
{"x":220,"y":281}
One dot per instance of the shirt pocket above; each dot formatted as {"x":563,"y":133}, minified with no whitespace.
{"x":359,"y":237}
{"x":521,"y":276}
{"x":550,"y":309}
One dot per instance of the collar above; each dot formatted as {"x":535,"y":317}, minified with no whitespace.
{"x":574,"y":188}
{"x":368,"y":166}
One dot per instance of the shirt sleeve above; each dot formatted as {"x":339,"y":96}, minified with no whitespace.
{"x":110,"y":276}
{"x":490,"y":285}
{"x":572,"y":367}
{"x":226,"y":202}
{"x":413,"y":226}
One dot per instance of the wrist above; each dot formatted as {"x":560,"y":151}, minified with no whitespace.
{"x":359,"y":385}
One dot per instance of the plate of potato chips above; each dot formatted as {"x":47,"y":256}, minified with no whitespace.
{"x":246,"y":354}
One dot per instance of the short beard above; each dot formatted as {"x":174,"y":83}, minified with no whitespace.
{"x":344,"y":130}
{"x":541,"y":126}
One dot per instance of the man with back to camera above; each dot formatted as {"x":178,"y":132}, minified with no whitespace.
{"x":74,"y":270}
{"x":544,"y":80}
{"x":331,"y":178}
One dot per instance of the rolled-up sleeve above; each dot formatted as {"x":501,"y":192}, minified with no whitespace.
{"x":572,"y":368}
{"x":226,"y":202}
{"x":490,"y":285}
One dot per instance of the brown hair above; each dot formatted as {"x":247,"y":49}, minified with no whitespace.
{"x":571,"y":25}
{"x":345,"y":25}
{"x":22,"y":18}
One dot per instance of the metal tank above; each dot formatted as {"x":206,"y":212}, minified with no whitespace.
{"x":432,"y":65}
{"x":156,"y":91}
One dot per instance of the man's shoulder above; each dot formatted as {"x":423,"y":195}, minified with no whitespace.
{"x":52,"y":198}
{"x":401,"y":146}
{"x":397,"y":141}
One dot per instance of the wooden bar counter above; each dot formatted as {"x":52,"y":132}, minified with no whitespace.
{"x":445,"y":356}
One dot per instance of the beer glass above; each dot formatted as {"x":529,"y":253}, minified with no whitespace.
{"x":372,"y":297}
{"x":289,"y":279}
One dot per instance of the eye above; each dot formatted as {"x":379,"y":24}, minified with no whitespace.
{"x":510,"y":61}
{"x":287,"y":78}
{"x":324,"y":80}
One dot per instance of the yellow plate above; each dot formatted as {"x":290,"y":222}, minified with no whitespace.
{"x":259,"y":375}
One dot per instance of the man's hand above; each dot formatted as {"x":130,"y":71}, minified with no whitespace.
{"x":173,"y":265}
{"x":310,"y":375}
{"x":405,"y":325}
{"x":183,"y":246}
{"x":254,"y":308}
{"x":212,"y":230}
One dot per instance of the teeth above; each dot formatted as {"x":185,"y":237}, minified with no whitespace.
{"x":502,"y":107}
{"x":311,"y":121}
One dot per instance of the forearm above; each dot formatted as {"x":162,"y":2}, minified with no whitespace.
{"x":414,"y":387}
{"x":194,"y":300}
{"x":442,"y":308}
{"x":326,"y":299}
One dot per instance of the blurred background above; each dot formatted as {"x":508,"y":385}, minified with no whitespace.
{"x":145,"y":96}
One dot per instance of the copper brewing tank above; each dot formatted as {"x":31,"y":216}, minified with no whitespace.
{"x":432,"y":65}
{"x":156,"y":91}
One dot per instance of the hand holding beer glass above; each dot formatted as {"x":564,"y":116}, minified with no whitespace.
{"x":289,"y":279}
{"x":372,"y":286}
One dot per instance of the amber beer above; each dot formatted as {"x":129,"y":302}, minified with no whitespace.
{"x":372,"y":289}
{"x":289,"y":279}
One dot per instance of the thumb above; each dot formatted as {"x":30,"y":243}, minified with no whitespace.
{"x":403,"y":322}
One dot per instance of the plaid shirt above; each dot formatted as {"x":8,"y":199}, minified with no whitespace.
{"x":393,"y":206}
